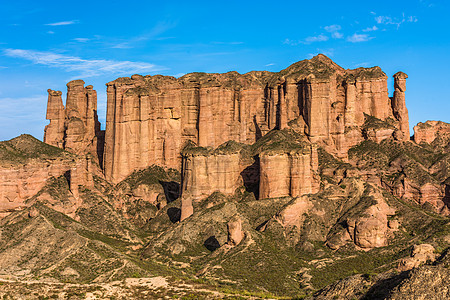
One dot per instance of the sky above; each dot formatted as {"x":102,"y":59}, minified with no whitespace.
{"x":45,"y":44}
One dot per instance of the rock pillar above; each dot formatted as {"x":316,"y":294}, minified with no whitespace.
{"x":398,"y":104}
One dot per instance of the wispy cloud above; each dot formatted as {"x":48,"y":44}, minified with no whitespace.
{"x":369,"y":29}
{"x":363,"y":64}
{"x":81,"y":40}
{"x":388,"y":20}
{"x":357,"y":38}
{"x":153,"y":34}
{"x":337,"y":35}
{"x":227,"y":43}
{"x":83,"y":67}
{"x":50,"y":32}
{"x":310,"y":39}
{"x":317,"y":38}
{"x":334,"y":30}
{"x":268,"y":65}
{"x":63,"y":23}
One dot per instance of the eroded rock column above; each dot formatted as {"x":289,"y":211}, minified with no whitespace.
{"x":399,"y":106}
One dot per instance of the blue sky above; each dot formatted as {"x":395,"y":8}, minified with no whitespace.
{"x":44,"y":44}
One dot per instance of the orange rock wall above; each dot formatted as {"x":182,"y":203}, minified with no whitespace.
{"x":427,"y":132}
{"x":205,"y":174}
{"x":150,"y":118}
{"x":18,"y":183}
{"x":288,"y":174}
{"x":75,"y":127}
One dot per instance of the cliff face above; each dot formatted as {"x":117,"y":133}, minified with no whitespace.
{"x":75,"y":127}
{"x":27,"y":165}
{"x":289,"y":173}
{"x":150,"y":118}
{"x":427,"y":132}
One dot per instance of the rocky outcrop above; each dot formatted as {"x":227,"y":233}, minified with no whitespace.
{"x":427,"y":132}
{"x":420,"y":254}
{"x":150,"y":118}
{"x":75,"y":127}
{"x":26,"y":167}
{"x":206,"y":171}
{"x":235,"y":232}
{"x":366,"y":224}
{"x":291,"y":173}
{"x":18,"y":183}
{"x":187,"y":209}
{"x":399,"y":105}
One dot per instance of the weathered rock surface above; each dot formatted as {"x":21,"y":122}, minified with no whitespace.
{"x":427,"y":132}
{"x":150,"y":118}
{"x":288,"y":174}
{"x":75,"y":127}
{"x":420,"y":254}
{"x":206,"y":171}
{"x":235,"y":233}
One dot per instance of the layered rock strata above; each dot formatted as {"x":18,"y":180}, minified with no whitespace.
{"x":75,"y":127}
{"x":399,"y":106}
{"x":292,"y":173}
{"x":149,"y":118}
{"x":206,"y":171}
{"x":18,"y":183}
{"x":427,"y":132}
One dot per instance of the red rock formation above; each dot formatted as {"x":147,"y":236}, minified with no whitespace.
{"x":20,"y":182}
{"x":81,"y":174}
{"x":74,"y":128}
{"x":288,"y":173}
{"x":420,"y":254}
{"x":398,"y":104}
{"x":427,"y":132}
{"x":235,"y":233}
{"x":205,"y":173}
{"x":54,"y":132}
{"x":149,"y":118}
{"x":187,"y":209}
{"x":370,"y":228}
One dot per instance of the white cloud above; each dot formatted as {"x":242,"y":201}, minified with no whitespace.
{"x":387,"y":20}
{"x":337,"y":35}
{"x":357,"y":38}
{"x":318,"y":38}
{"x":83,"y":67}
{"x":310,"y":39}
{"x":368,"y":29}
{"x":291,"y":42}
{"x":268,"y":65}
{"x":81,"y":40}
{"x":153,"y":34}
{"x":227,"y":43}
{"x":50,"y":32}
{"x":63,"y":23}
{"x":332,"y":28}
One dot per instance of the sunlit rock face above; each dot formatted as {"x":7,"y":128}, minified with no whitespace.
{"x":150,"y":118}
{"x":430,"y":130}
{"x":75,"y":127}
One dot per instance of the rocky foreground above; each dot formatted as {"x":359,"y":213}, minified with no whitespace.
{"x":297,"y":184}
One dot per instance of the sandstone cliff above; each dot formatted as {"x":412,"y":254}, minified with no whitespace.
{"x":75,"y":127}
{"x":430,"y":130}
{"x":150,"y":118}
{"x":27,"y":165}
